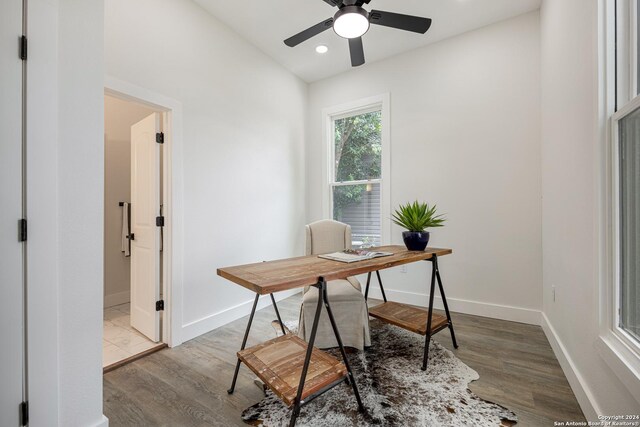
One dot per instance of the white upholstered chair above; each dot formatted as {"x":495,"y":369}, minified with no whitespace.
{"x":345,"y":296}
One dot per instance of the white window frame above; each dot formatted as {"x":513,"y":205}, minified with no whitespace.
{"x":361,"y":106}
{"x":630,"y":107}
{"x":615,"y":346}
{"x":626,"y":55}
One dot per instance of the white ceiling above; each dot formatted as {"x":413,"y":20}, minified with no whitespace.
{"x":266,"y":23}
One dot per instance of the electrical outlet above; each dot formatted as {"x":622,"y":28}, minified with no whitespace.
{"x":553,"y":293}
{"x":403,"y":269}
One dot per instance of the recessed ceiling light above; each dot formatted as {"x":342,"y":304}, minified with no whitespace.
{"x":322,"y":49}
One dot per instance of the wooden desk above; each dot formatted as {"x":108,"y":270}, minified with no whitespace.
{"x":281,"y":275}
{"x":279,"y":362}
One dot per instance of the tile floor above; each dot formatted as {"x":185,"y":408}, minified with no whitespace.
{"x":119,"y":339}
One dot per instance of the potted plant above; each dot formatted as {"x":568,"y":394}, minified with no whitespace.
{"x":416,"y":217}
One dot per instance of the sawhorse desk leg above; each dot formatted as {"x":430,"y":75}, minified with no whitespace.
{"x":435,"y":274}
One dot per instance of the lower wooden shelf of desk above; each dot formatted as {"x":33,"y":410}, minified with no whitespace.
{"x":408,"y":317}
{"x":278,"y":363}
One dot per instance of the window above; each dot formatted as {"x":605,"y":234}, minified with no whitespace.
{"x":618,"y":169}
{"x":628,"y":195}
{"x":625,"y":191}
{"x":619,"y":340}
{"x":357,"y":179}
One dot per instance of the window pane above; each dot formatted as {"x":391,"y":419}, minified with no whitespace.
{"x":630,"y":224}
{"x":358,"y":147}
{"x":359,"y":206}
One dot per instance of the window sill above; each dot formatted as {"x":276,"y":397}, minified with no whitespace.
{"x":623,"y":361}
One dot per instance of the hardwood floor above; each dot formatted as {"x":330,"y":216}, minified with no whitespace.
{"x":186,"y":385}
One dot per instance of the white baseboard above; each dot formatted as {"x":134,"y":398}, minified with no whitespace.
{"x":104,"y":422}
{"x":116,"y":299}
{"x":476,"y":308}
{"x":576,"y":381}
{"x":216,"y":320}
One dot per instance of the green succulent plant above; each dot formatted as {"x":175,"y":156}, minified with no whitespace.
{"x":417,"y":216}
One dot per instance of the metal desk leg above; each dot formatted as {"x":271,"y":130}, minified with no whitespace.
{"x":366,"y":291}
{"x":342,"y":351}
{"x":384,"y":297}
{"x":244,"y":343}
{"x":305,"y":367}
{"x":275,"y":307}
{"x":429,"y":315}
{"x":444,"y":302}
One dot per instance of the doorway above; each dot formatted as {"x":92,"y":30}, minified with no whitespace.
{"x":133,"y":229}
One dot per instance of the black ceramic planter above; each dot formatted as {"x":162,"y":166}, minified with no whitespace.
{"x":415,"y":240}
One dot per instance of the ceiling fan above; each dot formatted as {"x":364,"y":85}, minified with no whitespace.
{"x":351,"y":21}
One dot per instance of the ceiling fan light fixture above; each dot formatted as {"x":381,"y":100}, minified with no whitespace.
{"x":351,"y":22}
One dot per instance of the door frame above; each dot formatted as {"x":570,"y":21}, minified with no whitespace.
{"x":172,"y":196}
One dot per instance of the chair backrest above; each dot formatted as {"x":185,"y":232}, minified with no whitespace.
{"x":327,"y":236}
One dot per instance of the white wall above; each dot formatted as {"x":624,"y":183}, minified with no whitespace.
{"x":571,"y":152}
{"x":465,"y":134}
{"x":243,"y":132}
{"x":80,"y":196}
{"x":119,"y":115}
{"x":11,"y":275}
{"x":64,"y":192}
{"x":44,"y":303}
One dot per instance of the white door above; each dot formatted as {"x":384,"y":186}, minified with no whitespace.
{"x":145,"y":245}
{"x":11,"y":279}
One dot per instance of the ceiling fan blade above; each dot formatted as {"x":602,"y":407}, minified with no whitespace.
{"x":399,"y":21}
{"x":335,"y":3}
{"x":309,"y":32}
{"x":357,"y":51}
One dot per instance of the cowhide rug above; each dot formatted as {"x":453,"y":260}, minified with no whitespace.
{"x":394,"y":390}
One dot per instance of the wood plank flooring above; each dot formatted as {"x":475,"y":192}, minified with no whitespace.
{"x":186,"y":385}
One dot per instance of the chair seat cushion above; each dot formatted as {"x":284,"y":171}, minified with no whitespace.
{"x":337,"y":290}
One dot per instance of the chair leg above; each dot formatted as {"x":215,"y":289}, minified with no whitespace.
{"x":429,"y":316}
{"x":244,"y":343}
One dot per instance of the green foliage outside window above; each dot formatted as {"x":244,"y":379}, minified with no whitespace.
{"x":358,"y":154}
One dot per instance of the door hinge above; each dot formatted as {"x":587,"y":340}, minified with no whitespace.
{"x":23,"y":48}
{"x":132,"y":236}
{"x":160,"y":305}
{"x":159,"y":221}
{"x":22,"y":230}
{"x":24,"y":413}
{"x":160,"y":138}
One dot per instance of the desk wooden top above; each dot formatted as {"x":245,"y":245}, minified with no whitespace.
{"x":281,"y":275}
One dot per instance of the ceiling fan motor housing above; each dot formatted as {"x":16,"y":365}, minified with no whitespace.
{"x":351,"y":22}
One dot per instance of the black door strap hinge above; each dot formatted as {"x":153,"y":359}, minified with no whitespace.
{"x":160,"y":305}
{"x":22,"y":230}
{"x":24,"y":413}
{"x":23,"y":47}
{"x":160,"y":138}
{"x":159,"y":221}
